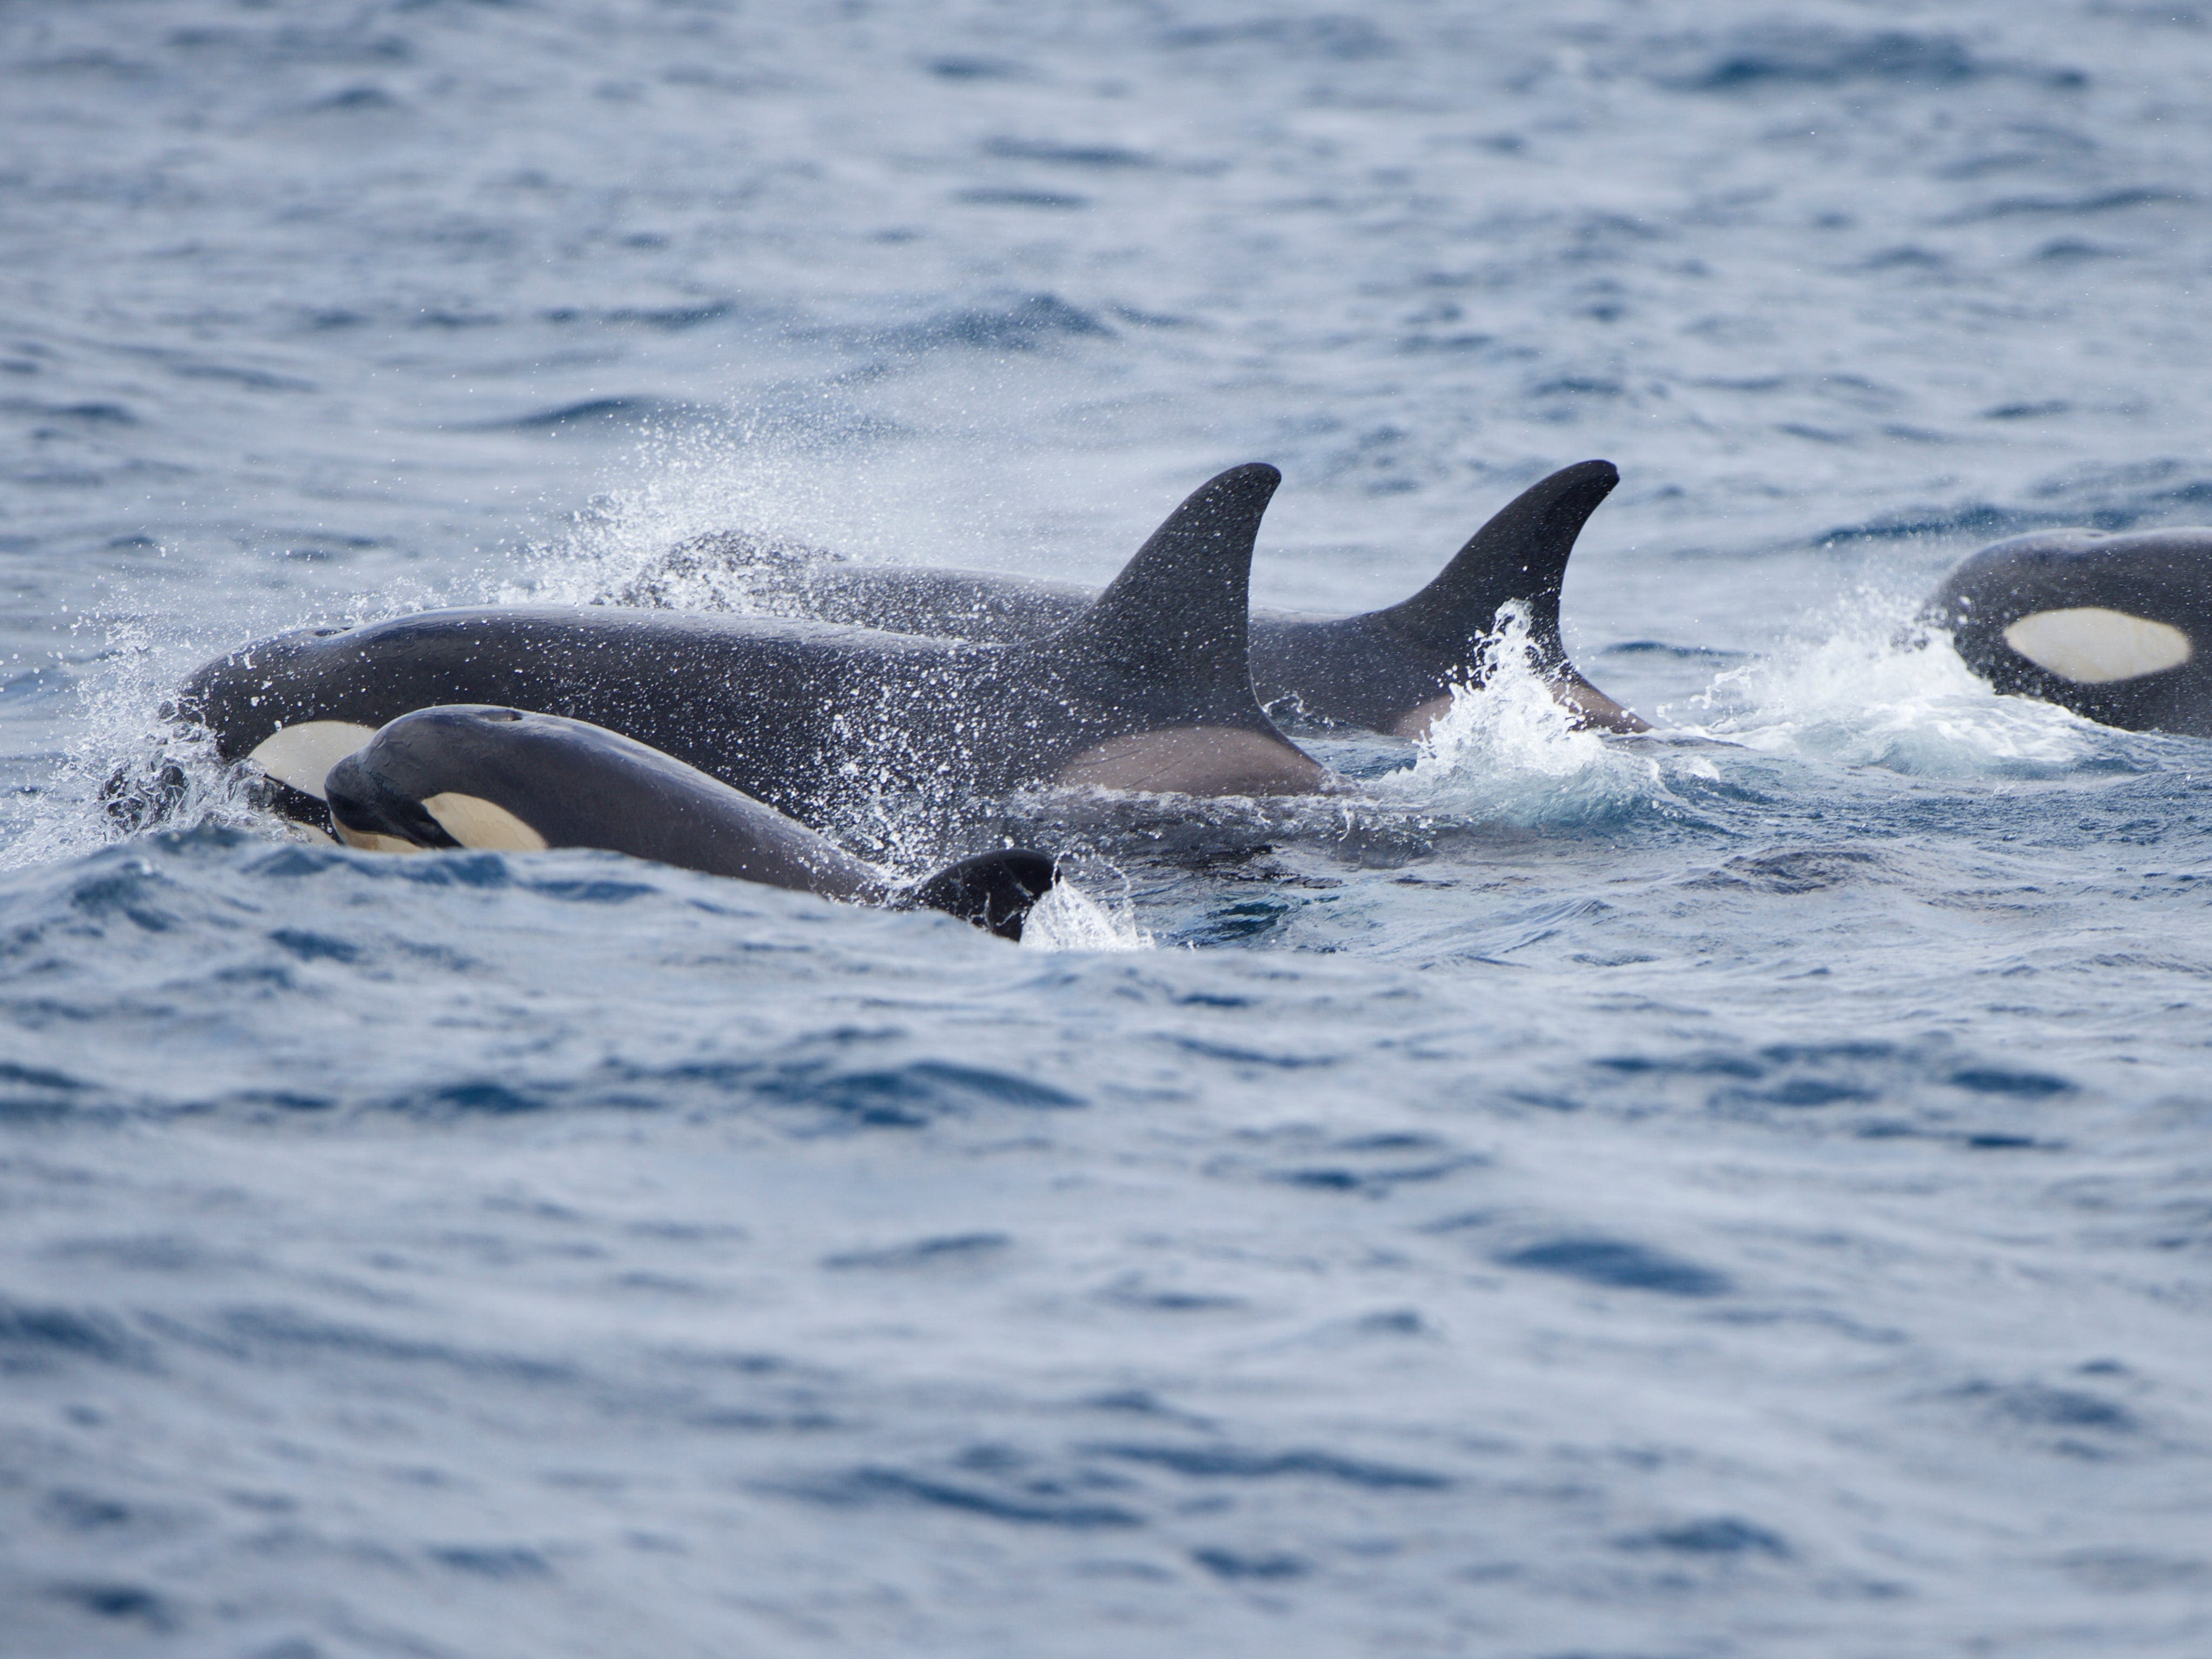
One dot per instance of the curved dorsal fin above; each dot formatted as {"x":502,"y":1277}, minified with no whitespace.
{"x":1176,"y":621}
{"x":1520,"y":554}
{"x":994,"y":891}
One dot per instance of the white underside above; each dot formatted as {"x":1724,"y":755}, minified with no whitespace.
{"x":1198,"y":760}
{"x":2091,"y":645}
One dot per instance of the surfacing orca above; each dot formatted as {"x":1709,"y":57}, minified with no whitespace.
{"x":1387,"y":670}
{"x":512,"y":781}
{"x":2118,"y":628}
{"x":1147,"y":689}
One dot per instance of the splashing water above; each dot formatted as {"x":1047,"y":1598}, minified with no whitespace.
{"x":119,"y":767}
{"x":665,"y":540}
{"x":705,"y":518}
{"x":717,"y":513}
{"x":1881,"y":691}
{"x":1508,"y":752}
{"x":1069,"y":919}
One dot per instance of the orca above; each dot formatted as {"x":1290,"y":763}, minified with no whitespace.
{"x":1149,"y":688}
{"x":1387,"y":670}
{"x":2117,"y":628}
{"x":512,"y":781}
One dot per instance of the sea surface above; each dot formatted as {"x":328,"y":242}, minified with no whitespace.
{"x":1745,"y":1191}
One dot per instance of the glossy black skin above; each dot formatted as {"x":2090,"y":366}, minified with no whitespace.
{"x":1385,"y":671}
{"x":822,"y":722}
{"x":578,"y":785}
{"x":2164,"y":575}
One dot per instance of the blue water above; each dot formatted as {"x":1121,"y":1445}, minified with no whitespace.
{"x":1747,"y":1192}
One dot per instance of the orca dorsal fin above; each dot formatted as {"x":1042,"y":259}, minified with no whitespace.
{"x":1176,"y":621}
{"x":1520,"y":554}
{"x":994,"y":891}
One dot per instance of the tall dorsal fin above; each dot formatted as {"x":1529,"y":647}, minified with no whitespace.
{"x":1176,"y":622}
{"x":1520,"y":554}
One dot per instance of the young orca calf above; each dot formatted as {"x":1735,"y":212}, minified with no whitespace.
{"x":512,"y":781}
{"x":1388,"y":670}
{"x":1148,"y":689}
{"x":2117,"y":628}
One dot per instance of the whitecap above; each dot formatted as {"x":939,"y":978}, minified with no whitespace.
{"x":1877,"y":689}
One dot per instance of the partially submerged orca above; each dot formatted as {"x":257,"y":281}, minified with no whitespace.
{"x":1388,"y":670}
{"x":1148,"y":689}
{"x":2118,"y":628}
{"x":512,"y":782}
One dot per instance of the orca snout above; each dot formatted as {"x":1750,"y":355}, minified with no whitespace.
{"x":368,"y":812}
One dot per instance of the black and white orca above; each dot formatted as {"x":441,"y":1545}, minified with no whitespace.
{"x":2118,"y":628}
{"x":1386,"y":671}
{"x":1149,"y":688}
{"x":513,"y":781}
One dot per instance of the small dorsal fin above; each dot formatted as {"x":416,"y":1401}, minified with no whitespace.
{"x":1520,"y":554}
{"x":994,"y":891}
{"x":1176,"y":620}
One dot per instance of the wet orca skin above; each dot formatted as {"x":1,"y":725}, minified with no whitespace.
{"x":1148,"y":689}
{"x":512,"y":782}
{"x":1387,"y":670}
{"x":2118,"y":628}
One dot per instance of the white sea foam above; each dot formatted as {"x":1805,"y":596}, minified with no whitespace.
{"x":1069,"y":919}
{"x":161,"y":773}
{"x":1510,"y":753}
{"x":1876,"y":689}
{"x":706,"y":512}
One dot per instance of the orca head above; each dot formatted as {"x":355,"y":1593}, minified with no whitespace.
{"x":2107,"y":625}
{"x":243,"y":700}
{"x":426,"y":781}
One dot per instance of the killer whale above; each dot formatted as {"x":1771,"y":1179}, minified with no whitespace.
{"x":516,"y":781}
{"x":2117,"y":628}
{"x":1390,"y":670}
{"x":1148,"y":687}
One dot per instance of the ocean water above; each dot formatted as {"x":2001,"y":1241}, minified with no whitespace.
{"x":1744,"y":1191}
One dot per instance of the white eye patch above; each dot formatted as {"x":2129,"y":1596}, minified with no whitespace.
{"x":302,"y":755}
{"x":483,"y":825}
{"x":2093,"y":646}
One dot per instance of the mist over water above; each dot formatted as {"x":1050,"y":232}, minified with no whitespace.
{"x":1740,"y":1190}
